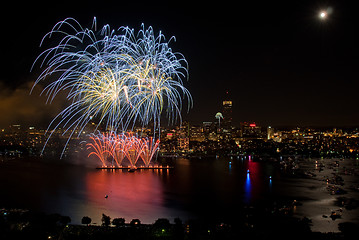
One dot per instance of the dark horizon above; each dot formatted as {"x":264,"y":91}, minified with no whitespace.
{"x":281,"y":63}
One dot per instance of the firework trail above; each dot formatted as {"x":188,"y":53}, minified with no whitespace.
{"x":117,"y":147}
{"x":149,"y":148}
{"x":117,"y":77}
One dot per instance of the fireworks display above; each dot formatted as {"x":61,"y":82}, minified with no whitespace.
{"x":117,"y":78}
{"x":112,"y":149}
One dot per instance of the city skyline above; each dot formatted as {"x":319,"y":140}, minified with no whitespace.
{"x":150,"y":110}
{"x":282,"y":64}
{"x":187,"y":140}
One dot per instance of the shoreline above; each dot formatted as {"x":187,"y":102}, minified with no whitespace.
{"x":21,"y":224}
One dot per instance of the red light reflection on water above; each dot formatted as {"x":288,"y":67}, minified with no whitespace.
{"x":130,"y":195}
{"x":253,"y":184}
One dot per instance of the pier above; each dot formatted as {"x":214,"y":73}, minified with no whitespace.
{"x":134,"y":168}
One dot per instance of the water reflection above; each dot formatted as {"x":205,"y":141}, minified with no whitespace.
{"x":254,"y":186}
{"x":247,"y":188}
{"x":189,"y":190}
{"x":130,"y":195}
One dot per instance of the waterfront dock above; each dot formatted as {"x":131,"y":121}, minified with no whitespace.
{"x":136,"y":168}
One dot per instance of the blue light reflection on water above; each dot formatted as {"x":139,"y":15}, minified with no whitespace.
{"x":248,"y":189}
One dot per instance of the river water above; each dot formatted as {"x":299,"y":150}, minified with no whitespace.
{"x":194,"y":188}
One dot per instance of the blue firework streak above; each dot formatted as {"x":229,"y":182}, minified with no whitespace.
{"x":119,"y":77}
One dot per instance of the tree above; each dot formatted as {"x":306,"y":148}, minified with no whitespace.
{"x":178,"y":221}
{"x":178,"y":231}
{"x":86,"y":220}
{"x":161,"y":227}
{"x":162,"y":223}
{"x":135,"y":222}
{"x":64,"y":220}
{"x":118,"y":222}
{"x":348,"y":229}
{"x":106,"y":220}
{"x":52,"y":219}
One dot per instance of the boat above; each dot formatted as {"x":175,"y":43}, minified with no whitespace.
{"x":334,"y":215}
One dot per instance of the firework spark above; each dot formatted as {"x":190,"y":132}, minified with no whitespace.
{"x":118,"y":77}
{"x":111,"y":149}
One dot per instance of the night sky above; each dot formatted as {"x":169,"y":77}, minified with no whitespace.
{"x":280,"y":64}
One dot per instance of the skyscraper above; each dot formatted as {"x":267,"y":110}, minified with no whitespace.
{"x":227,"y":114}
{"x":270,"y":133}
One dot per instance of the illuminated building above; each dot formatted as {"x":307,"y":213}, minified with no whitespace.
{"x":270,"y":133}
{"x":197,"y":134}
{"x":227,"y":114}
{"x":207,"y":127}
{"x":183,"y":137}
{"x":250,"y":130}
{"x":183,"y":144}
{"x":169,"y":135}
